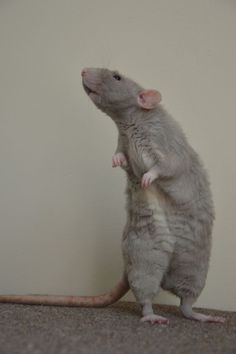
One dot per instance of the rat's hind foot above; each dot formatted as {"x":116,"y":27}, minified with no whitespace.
{"x":154,"y":319}
{"x":187,"y":311}
{"x":149,"y":316}
{"x":206,"y":318}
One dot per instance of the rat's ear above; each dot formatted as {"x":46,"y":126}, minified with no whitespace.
{"x":149,"y":99}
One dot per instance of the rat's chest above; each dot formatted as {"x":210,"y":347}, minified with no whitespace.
{"x":138,"y":154}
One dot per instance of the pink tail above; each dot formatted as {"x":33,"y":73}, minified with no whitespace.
{"x":82,"y":301}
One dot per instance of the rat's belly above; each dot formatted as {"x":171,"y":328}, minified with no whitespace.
{"x":147,"y":232}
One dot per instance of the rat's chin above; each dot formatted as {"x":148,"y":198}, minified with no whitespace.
{"x":93,"y":95}
{"x":89,"y":91}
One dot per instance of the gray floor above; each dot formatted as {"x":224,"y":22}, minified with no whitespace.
{"x":116,"y":329}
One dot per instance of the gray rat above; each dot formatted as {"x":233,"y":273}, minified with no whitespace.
{"x":167,"y":238}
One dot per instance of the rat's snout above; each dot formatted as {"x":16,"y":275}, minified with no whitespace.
{"x":89,"y":73}
{"x":93,"y":74}
{"x":91,"y":78}
{"x":83,"y":72}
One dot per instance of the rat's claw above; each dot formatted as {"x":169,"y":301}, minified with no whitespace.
{"x":147,"y":179}
{"x":119,"y":159}
{"x":207,"y":318}
{"x":216,"y":319}
{"x":154,"y":319}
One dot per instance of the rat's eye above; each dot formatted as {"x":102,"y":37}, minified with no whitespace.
{"x":117,"y":77}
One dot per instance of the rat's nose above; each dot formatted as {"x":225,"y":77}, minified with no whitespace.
{"x":83,"y":72}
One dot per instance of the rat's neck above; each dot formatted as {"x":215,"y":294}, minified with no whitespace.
{"x":135,"y":116}
{"x":126,"y":118}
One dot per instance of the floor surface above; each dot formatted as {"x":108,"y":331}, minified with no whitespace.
{"x":115,"y":329}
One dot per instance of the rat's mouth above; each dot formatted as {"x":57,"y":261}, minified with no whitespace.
{"x":88,"y":90}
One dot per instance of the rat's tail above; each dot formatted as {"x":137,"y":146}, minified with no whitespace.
{"x":83,"y":301}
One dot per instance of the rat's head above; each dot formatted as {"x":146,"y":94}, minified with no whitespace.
{"x":113,"y":92}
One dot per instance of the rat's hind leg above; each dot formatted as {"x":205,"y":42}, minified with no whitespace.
{"x":146,"y":263}
{"x":187,"y":285}
{"x":145,"y":285}
{"x":187,"y":311}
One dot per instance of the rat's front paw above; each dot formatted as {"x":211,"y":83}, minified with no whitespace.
{"x":119,"y":159}
{"x":147,"y":179}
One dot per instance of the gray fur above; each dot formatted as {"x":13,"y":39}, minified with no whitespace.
{"x":167,"y":238}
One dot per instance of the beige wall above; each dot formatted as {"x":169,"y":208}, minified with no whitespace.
{"x":61,"y":204}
